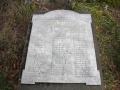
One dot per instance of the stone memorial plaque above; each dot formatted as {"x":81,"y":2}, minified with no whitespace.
{"x":61,"y":49}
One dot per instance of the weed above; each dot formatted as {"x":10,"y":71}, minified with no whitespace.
{"x":112,"y":3}
{"x":12,"y":37}
{"x":24,"y":11}
{"x":52,"y":1}
{"x":108,"y":35}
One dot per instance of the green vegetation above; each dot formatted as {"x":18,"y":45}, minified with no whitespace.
{"x":113,"y":3}
{"x":14,"y":19}
{"x":108,"y":35}
{"x":52,"y":1}
{"x":24,"y":12}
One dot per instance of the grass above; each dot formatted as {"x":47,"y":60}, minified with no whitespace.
{"x":108,"y":35}
{"x":12,"y":36}
{"x":15,"y":17}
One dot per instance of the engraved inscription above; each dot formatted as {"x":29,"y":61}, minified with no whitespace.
{"x":61,"y":50}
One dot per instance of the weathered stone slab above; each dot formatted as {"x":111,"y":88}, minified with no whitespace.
{"x":61,"y":50}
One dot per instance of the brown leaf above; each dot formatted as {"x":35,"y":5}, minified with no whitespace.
{"x":11,"y":76}
{"x":15,"y":66}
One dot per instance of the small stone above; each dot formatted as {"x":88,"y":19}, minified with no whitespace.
{"x":106,"y":7}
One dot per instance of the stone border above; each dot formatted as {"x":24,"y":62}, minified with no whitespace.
{"x":57,"y":86}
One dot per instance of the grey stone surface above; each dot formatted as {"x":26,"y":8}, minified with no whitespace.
{"x":61,"y":50}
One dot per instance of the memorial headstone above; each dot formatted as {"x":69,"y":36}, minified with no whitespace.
{"x":61,"y":50}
